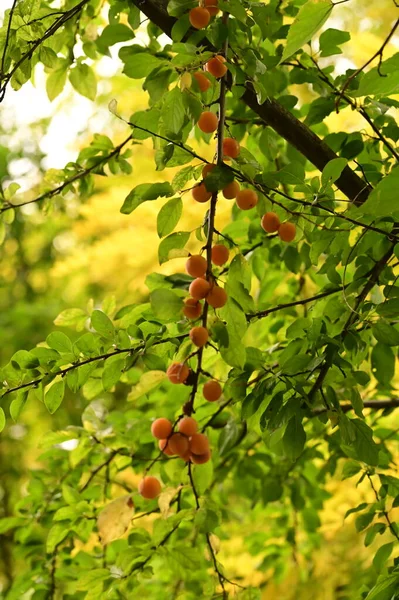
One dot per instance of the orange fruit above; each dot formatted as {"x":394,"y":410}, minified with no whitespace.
{"x":200,"y":459}
{"x":149,"y":487}
{"x":161,"y":428}
{"x":192,"y":308}
{"x":216,"y":67}
{"x":217,"y":297}
{"x":270,"y":222}
{"x":207,"y":169}
{"x":179,"y":444}
{"x":212,"y":7}
{"x":287,"y":232}
{"x":200,"y":193}
{"x":196,"y":265}
{"x":220,"y":254}
{"x":199,"y":443}
{"x":199,"y":288}
{"x":246,"y":199}
{"x":163,"y":445}
{"x":199,"y":336}
{"x":231,"y":190}
{"x":187,"y":426}
{"x":199,"y":17}
{"x":212,"y":390}
{"x":203,"y":82}
{"x":208,"y":122}
{"x":231,"y":147}
{"x":177,"y":372}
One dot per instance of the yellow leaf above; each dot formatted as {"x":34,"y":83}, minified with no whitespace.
{"x":114,"y":520}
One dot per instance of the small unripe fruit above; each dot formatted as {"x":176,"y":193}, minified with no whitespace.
{"x":207,"y":169}
{"x":212,"y":7}
{"x":199,"y":336}
{"x":179,"y":444}
{"x":199,"y":443}
{"x":217,"y":297}
{"x":208,"y":122}
{"x":199,"y":17}
{"x":216,"y":67}
{"x":270,"y":222}
{"x":231,"y":190}
{"x":177,"y":372}
{"x":212,"y":391}
{"x":287,"y":232}
{"x":192,"y":308}
{"x":149,"y":487}
{"x":220,"y":255}
{"x":161,"y":428}
{"x":203,"y":82}
{"x":187,"y":426}
{"x":201,"y":194}
{"x":196,"y":265}
{"x":246,"y":199}
{"x":163,"y":445}
{"x":199,"y":288}
{"x":185,"y":81}
{"x":231,"y":147}
{"x":200,"y":459}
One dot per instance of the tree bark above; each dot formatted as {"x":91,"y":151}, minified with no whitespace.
{"x":275,"y":116}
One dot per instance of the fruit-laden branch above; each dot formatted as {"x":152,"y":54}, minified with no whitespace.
{"x":276,"y":116}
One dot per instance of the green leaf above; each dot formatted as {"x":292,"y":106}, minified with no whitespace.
{"x":382,"y":200}
{"x":173,"y":246}
{"x":234,"y":354}
{"x":55,"y":83}
{"x":202,"y":476}
{"x":84,"y":81}
{"x":165,"y":304}
{"x":309,"y":20}
{"x":169,"y":216}
{"x":112,"y":372}
{"x":333,"y":170}
{"x":2,"y":419}
{"x":331,"y":39}
{"x":364,"y":447}
{"x":60,"y":342}
{"x":384,"y":589}
{"x":294,"y":438}
{"x":173,"y":111}
{"x":148,"y":382}
{"x":139,"y":65}
{"x":374,"y":84}
{"x":143,"y":193}
{"x":102,"y":324}
{"x":55,"y":536}
{"x":17,"y":404}
{"x":381,"y":557}
{"x":71,"y":317}
{"x":385,"y":333}
{"x":206,"y":520}
{"x":218,"y":178}
{"x":54,"y":396}
{"x":383,"y":363}
{"x":113,"y":34}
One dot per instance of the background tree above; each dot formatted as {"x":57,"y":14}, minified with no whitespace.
{"x":226,"y":398}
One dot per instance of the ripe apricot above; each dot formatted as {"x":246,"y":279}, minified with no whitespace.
{"x":177,"y":372}
{"x":216,"y":67}
{"x":231,"y":190}
{"x":201,"y":194}
{"x":149,"y":487}
{"x":246,"y":199}
{"x":203,"y":82}
{"x":196,"y":265}
{"x":212,"y":390}
{"x":163,"y":445}
{"x":207,"y":169}
{"x":231,"y":147}
{"x":270,"y":222}
{"x":199,"y":443}
{"x":287,"y":232}
{"x":199,"y":288}
{"x":200,"y":459}
{"x":179,"y":444}
{"x":217,"y":297}
{"x":187,"y":426}
{"x":220,"y":254}
{"x":192,"y":308}
{"x":161,"y":428}
{"x":208,"y":121}
{"x":199,"y":17}
{"x":212,"y":7}
{"x":199,"y":336}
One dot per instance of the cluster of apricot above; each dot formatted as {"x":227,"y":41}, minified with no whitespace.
{"x":179,"y":373}
{"x":200,"y":16}
{"x":271,"y":224}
